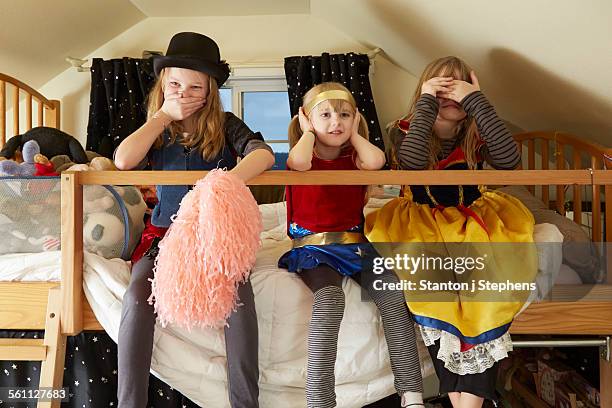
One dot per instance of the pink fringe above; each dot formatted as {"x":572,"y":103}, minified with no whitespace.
{"x":208,"y":250}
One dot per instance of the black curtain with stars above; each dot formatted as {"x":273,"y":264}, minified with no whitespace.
{"x":90,"y":374}
{"x":117,"y":106}
{"x":351,"y":70}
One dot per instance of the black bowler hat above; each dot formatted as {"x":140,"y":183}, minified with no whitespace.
{"x":193,"y":51}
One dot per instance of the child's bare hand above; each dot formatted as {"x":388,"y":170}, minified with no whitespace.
{"x":179,"y":108}
{"x":436,"y":85}
{"x":461,"y":89}
{"x":305,"y":123}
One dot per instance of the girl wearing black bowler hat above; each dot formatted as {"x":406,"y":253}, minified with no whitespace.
{"x":187,"y":129}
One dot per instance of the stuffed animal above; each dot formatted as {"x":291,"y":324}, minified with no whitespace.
{"x":43,"y":166}
{"x":97,"y":199}
{"x":30,"y":212}
{"x":103,"y":234}
{"x":27,"y":168}
{"x":95,"y":162}
{"x":52,"y":142}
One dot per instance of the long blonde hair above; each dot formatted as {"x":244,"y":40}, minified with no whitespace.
{"x":209,"y":134}
{"x":295,"y":132}
{"x":467,"y":129}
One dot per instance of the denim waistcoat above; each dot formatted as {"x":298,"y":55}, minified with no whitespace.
{"x":177,"y":157}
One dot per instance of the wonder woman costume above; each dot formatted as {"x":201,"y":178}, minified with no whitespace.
{"x":325,"y":223}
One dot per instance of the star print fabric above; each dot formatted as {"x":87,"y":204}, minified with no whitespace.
{"x":351,"y":70}
{"x":90,"y":374}
{"x":117,"y":106}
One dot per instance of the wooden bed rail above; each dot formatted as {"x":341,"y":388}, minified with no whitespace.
{"x":72,"y":199}
{"x":564,"y":150}
{"x":47,"y":110}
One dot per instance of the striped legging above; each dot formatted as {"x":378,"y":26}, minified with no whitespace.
{"x":327,"y":312}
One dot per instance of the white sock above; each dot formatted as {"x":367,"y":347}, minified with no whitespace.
{"x":412,"y":399}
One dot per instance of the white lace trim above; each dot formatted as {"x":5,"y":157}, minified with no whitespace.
{"x":473,"y":361}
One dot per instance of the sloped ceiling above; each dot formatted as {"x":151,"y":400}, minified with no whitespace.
{"x":36,"y":36}
{"x":191,"y":8}
{"x":544,"y":64}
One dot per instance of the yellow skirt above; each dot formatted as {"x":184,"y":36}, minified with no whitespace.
{"x":475,"y":314}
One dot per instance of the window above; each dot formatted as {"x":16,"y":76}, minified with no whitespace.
{"x":259,"y":97}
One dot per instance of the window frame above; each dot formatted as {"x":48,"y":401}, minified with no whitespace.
{"x":256,"y":78}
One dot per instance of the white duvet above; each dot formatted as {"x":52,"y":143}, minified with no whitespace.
{"x":194,"y":363}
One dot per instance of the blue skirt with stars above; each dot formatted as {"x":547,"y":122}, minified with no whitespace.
{"x":347,"y":259}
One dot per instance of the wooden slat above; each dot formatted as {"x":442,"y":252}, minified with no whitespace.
{"x":26,"y":88}
{"x":72,"y":253}
{"x":565,"y":318}
{"x":2,"y":113}
{"x":582,"y":293}
{"x":531,"y":161}
{"x":605,"y":381}
{"x":596,"y":204}
{"x":577,"y":197}
{"x":52,"y":114}
{"x":23,"y":305}
{"x":15,"y":111}
{"x":89,"y":318}
{"x":40,"y":114}
{"x":577,"y":142}
{"x":52,"y":368}
{"x":350,"y":177}
{"x":519,"y":146}
{"x":560,"y":160}
{"x":529,"y":397}
{"x":28,"y":103}
{"x":22,"y":349}
{"x":545,"y":160}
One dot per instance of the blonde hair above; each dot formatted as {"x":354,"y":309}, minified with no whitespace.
{"x":209,"y":135}
{"x":295,"y":132}
{"x":467,"y":129}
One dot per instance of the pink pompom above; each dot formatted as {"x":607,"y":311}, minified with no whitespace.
{"x":208,"y":250}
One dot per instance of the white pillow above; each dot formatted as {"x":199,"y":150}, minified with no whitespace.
{"x":273,"y":215}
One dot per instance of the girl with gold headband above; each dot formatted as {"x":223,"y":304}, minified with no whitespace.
{"x":325,"y":224}
{"x":451,"y":125}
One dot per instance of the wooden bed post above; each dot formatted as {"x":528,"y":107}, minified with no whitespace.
{"x":2,"y":113}
{"x":605,"y":382}
{"x":72,"y":254}
{"x":52,"y":367}
{"x":53,"y":115}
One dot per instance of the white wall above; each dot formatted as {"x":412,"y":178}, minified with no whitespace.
{"x":250,"y":39}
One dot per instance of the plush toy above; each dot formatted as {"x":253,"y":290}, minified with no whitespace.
{"x":103,"y":234}
{"x":27,"y":168}
{"x":95,"y":162}
{"x":136,"y":208}
{"x":52,"y":142}
{"x":43,"y":166}
{"x":97,"y":199}
{"x":30,"y":212}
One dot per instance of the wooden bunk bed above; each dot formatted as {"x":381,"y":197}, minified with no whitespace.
{"x":43,"y":306}
{"x":45,"y":298}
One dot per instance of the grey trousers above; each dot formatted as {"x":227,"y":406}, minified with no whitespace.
{"x":135,"y":344}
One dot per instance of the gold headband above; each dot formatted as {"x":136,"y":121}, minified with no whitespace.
{"x":326,"y":95}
